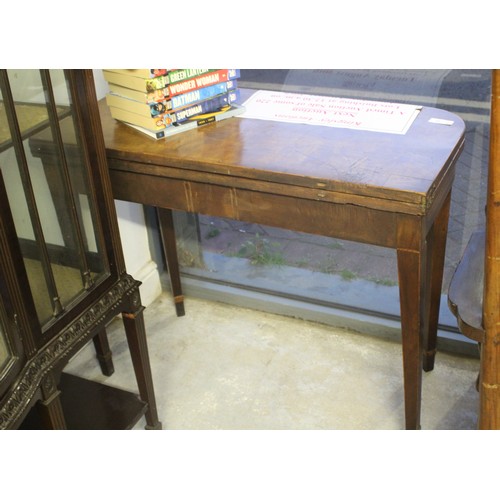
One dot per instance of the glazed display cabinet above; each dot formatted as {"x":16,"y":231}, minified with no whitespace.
{"x":62,"y":271}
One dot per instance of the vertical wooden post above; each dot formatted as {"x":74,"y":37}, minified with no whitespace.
{"x":489,"y":411}
{"x":50,"y":407}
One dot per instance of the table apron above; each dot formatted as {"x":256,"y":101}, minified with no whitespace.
{"x":340,"y":220}
{"x":328,"y":191}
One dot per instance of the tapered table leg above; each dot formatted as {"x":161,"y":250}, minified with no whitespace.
{"x":436,"y":245}
{"x":411,"y":269}
{"x":167,"y":231}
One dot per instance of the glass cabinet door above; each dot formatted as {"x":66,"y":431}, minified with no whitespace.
{"x":48,"y":189}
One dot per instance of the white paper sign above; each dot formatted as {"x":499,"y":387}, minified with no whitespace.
{"x":376,"y":116}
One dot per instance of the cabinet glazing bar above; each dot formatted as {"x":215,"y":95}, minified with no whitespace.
{"x":71,"y":203}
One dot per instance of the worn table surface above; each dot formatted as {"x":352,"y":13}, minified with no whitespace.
{"x":369,"y":167}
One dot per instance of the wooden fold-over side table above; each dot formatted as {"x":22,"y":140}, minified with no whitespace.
{"x":385,"y":189}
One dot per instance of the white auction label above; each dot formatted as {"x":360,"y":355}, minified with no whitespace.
{"x":376,"y":116}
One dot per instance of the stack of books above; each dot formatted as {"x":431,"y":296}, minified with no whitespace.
{"x":163,"y":102}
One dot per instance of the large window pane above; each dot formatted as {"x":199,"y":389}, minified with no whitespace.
{"x":332,"y":271}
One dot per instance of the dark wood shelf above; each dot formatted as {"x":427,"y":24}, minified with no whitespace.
{"x":90,"y":405}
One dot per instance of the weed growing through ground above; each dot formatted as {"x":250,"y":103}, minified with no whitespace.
{"x":260,"y":251}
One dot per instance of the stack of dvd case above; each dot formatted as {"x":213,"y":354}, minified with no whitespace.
{"x":163,"y":102}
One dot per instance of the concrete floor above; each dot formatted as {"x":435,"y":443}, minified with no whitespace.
{"x":225,"y":367}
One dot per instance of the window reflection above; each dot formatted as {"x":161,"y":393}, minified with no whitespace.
{"x":332,"y":271}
